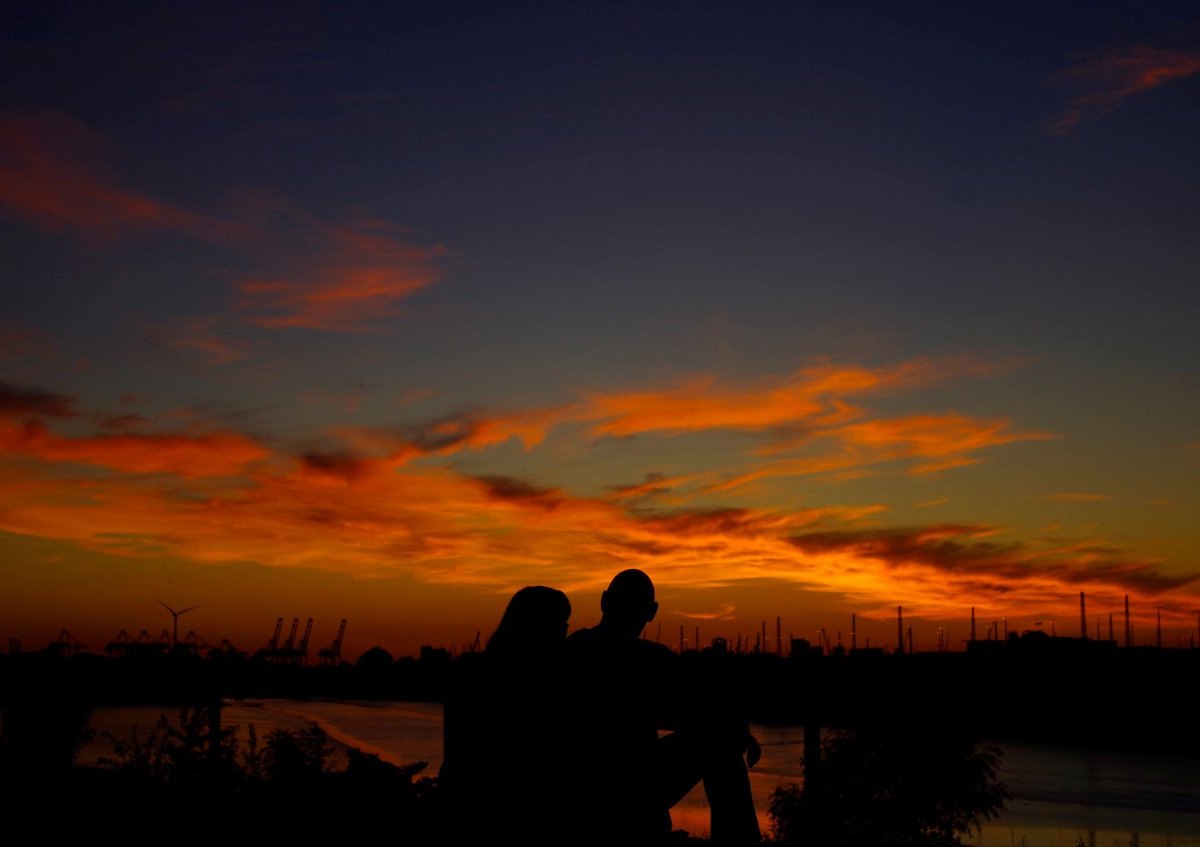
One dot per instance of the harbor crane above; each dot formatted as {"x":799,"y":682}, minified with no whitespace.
{"x":332,"y":654}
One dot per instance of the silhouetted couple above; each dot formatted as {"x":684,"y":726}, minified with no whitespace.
{"x":575,"y":757}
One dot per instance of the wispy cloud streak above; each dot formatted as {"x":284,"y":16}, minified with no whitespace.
{"x":807,"y":423}
{"x":190,"y":456}
{"x":1108,"y":81}
{"x":814,"y":396}
{"x":49,"y":174}
{"x":319,"y":274}
{"x":358,"y":274}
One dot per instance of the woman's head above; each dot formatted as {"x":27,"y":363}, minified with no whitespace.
{"x":534,"y":622}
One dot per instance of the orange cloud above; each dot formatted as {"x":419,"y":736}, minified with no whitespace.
{"x":807,"y":428}
{"x":191,"y":456}
{"x":364,"y":505}
{"x":1076,"y":497}
{"x":934,"y":442}
{"x":201,"y":335}
{"x":812,"y":396}
{"x":807,"y":411}
{"x":477,"y":430}
{"x":360,"y":274}
{"x":48,"y":174}
{"x":353,"y":469}
{"x":926,"y":444}
{"x":699,"y":404}
{"x":724,"y":613}
{"x":1111,"y":80}
{"x":230,"y":499}
{"x":927,"y":504}
{"x":336,"y":276}
{"x":376,"y":516}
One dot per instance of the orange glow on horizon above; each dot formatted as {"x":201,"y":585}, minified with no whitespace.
{"x":378,"y":504}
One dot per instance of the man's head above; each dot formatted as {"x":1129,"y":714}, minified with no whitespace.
{"x":629,"y":600}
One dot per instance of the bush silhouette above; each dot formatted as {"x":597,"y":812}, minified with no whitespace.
{"x":892,"y":786}
{"x":285,"y":784}
{"x":192,"y":752}
{"x":297,"y":756}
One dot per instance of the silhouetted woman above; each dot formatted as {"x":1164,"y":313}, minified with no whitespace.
{"x":493,"y":729}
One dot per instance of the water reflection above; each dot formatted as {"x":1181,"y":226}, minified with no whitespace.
{"x":1059,"y":794}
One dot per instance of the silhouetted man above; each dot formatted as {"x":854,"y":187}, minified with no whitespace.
{"x":610,"y":692}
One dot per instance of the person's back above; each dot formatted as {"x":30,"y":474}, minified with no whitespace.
{"x":494,"y":760}
{"x":621,"y":690}
{"x":611,"y":692}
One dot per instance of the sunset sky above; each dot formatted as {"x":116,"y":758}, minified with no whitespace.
{"x":384,"y":310}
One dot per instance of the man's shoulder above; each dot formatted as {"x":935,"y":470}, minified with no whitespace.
{"x":582,"y":636}
{"x":595,"y":640}
{"x":656,"y":650}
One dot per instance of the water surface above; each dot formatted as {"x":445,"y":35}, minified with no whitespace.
{"x":1059,"y":794}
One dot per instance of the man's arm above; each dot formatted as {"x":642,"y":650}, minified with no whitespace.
{"x":689,"y":700}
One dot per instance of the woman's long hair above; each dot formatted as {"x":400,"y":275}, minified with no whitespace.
{"x":533,"y":626}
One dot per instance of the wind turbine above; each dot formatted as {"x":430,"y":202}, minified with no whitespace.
{"x":175,"y":615}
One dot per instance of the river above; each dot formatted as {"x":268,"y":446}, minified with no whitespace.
{"x":1059,"y":795}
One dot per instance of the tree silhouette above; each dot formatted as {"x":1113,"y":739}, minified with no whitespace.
{"x":375,"y":660}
